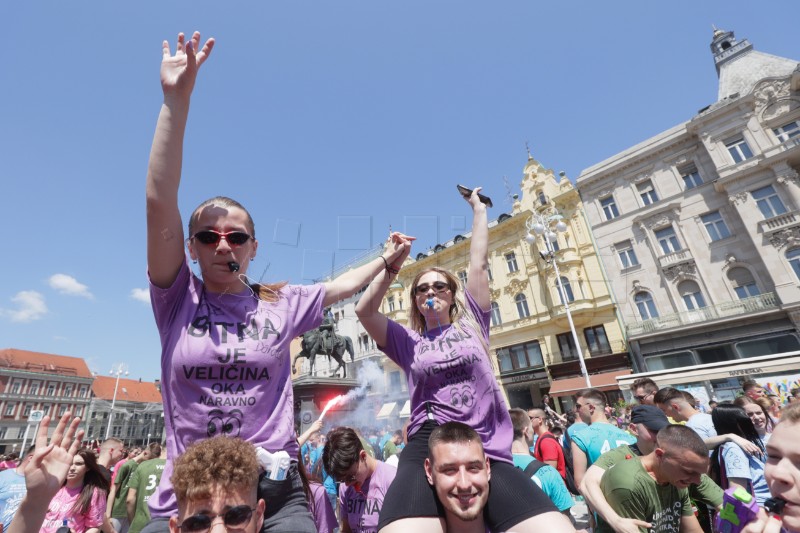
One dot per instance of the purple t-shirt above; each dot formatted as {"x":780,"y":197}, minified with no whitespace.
{"x":449,"y":371}
{"x":225,"y":367}
{"x":360,"y":508}
{"x":324,"y":516}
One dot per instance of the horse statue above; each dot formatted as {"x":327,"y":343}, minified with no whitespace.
{"x":323,"y":341}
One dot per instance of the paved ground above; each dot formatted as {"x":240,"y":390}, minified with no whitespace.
{"x":580,"y":513}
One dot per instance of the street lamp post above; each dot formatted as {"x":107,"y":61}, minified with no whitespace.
{"x":120,"y":370}
{"x":544,"y":227}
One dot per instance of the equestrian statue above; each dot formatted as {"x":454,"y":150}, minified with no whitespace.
{"x":324,"y":341}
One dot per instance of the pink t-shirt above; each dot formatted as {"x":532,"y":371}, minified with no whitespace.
{"x":450,"y":372}
{"x":60,"y":509}
{"x":225,"y":367}
{"x":324,"y":516}
{"x":361,"y":508}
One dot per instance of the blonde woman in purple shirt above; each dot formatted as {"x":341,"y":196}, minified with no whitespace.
{"x":225,"y":342}
{"x":451,"y":378}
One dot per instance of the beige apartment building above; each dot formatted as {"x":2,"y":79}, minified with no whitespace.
{"x":698,"y":227}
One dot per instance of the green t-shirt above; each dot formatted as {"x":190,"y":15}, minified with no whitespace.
{"x":632,"y":493}
{"x":389,"y":449}
{"x":706,"y":492}
{"x":121,"y":482}
{"x":144,"y":480}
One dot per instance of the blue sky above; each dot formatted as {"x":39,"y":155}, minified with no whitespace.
{"x":330,"y":121}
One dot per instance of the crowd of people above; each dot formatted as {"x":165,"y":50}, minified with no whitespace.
{"x":464,"y":462}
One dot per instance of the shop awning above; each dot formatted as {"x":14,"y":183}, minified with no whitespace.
{"x":405,"y":412}
{"x":752,"y":366}
{"x":603,"y":381}
{"x":387,"y":410}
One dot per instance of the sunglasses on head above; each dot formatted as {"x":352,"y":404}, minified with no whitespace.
{"x":233,"y":518}
{"x":234,"y":238}
{"x":438,"y":287}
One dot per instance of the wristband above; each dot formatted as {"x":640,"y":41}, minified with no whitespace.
{"x":389,"y":269}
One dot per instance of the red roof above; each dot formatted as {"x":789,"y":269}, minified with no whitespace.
{"x":11,"y":358}
{"x":131,"y":390}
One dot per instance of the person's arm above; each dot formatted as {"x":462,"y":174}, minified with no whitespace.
{"x":111,"y":495}
{"x":46,"y":472}
{"x":478,"y":277}
{"x":164,"y":228}
{"x":690,"y":524}
{"x":579,"y":463}
{"x":591,"y":491}
{"x":737,"y":482}
{"x":130,"y":504}
{"x":315,"y":426}
{"x":375,"y":322}
{"x":746,"y":445}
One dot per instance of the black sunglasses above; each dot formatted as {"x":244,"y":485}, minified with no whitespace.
{"x":234,"y":238}
{"x":438,"y":287}
{"x":233,"y":518}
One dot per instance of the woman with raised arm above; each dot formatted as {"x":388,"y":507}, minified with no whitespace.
{"x":225,"y":359}
{"x":445,"y":354}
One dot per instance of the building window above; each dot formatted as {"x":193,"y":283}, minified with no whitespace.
{"x":522,"y":306}
{"x":566,"y":345}
{"x":520,"y":356}
{"x":10,"y":409}
{"x":542,"y":198}
{"x":61,"y":410}
{"x":79,"y":411}
{"x":743,"y":283}
{"x":34,"y":390}
{"x":51,"y":390}
{"x":626,"y":254}
{"x":793,"y":256}
{"x":609,"y":207}
{"x":692,"y":297}
{"x":46,"y":409}
{"x":495,"y":315}
{"x":15,"y":387}
{"x":26,"y":410}
{"x":787,"y":131}
{"x":647,"y":193}
{"x":3,"y":432}
{"x":83,"y":391}
{"x":768,"y":201}
{"x":390,"y":303}
{"x":462,"y":277}
{"x":668,"y":240}
{"x":394,"y":381}
{"x":738,"y":149}
{"x":715,"y":226}
{"x":511,"y":262}
{"x":596,"y":340}
{"x":68,"y":390}
{"x":645,"y":305}
{"x":691,"y":178}
{"x":116,"y":431}
{"x":567,"y":290}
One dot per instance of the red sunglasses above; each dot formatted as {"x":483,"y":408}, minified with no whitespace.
{"x":234,"y":238}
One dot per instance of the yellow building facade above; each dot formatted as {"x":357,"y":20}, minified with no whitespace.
{"x":530,"y":338}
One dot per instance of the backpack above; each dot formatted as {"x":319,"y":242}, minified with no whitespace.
{"x":533,"y":467}
{"x":569,"y":480}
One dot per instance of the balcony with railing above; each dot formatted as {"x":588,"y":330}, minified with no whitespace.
{"x":745,"y":306}
{"x":780,"y":222}
{"x":601,"y":358}
{"x":675,"y":258}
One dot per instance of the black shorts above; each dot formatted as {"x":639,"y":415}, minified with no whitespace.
{"x":513,"y":496}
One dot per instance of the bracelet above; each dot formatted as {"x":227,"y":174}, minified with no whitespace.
{"x":389,"y":269}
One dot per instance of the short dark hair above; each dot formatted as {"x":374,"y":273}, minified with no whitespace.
{"x":154,"y":449}
{"x":751,"y":384}
{"x":648,"y":384}
{"x":679,"y":436}
{"x":341,"y":451}
{"x":519,"y":421}
{"x":667,"y":394}
{"x":449,"y":433}
{"x":595,"y":395}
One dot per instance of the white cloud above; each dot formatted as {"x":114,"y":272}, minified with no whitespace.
{"x":68,"y":285}
{"x":143,"y":295}
{"x":30,"y":307}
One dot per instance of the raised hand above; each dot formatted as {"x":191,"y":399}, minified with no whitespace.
{"x":179,"y":71}
{"x":398,"y":248}
{"x":48,"y":468}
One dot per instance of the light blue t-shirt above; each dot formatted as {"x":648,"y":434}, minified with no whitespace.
{"x":703,"y":425}
{"x":549,"y":480}
{"x":12,"y":490}
{"x":599,"y":438}
{"x":743,"y":465}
